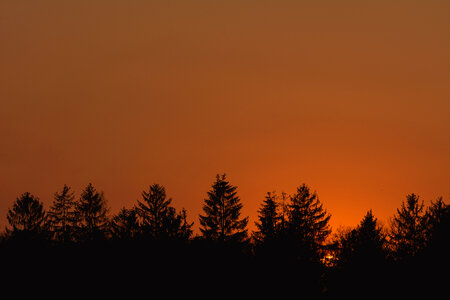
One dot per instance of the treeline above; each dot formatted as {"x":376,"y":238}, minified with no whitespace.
{"x":291,"y":249}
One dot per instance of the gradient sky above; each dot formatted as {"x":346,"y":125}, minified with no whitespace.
{"x":349,"y":97}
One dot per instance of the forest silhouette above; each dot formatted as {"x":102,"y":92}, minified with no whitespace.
{"x":76,"y":245}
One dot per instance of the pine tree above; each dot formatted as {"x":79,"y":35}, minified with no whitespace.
{"x":62,"y":215}
{"x":269,"y":220}
{"x":438,"y":228}
{"x":370,"y":234}
{"x":125,"y":225}
{"x":91,"y":214}
{"x":222,"y":209}
{"x":363,"y":245}
{"x":408,"y":228}
{"x":435,"y":214}
{"x":158,"y":219}
{"x":307,"y":224}
{"x":27,"y":218}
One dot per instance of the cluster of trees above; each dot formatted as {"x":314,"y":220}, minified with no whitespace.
{"x":86,"y":219}
{"x":412,"y":231}
{"x":292,"y":233}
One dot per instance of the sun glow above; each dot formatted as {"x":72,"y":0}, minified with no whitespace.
{"x":329,"y":260}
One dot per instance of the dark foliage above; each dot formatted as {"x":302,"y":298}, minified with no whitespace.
{"x":91,"y":215}
{"x":61,"y":216}
{"x":408,"y":230}
{"x":125,"y":225}
{"x":364,"y":246}
{"x":158,"y":219}
{"x":222,"y":208}
{"x":27,"y":219}
{"x":269,"y":220}
{"x":148,"y":249}
{"x":306,"y":227}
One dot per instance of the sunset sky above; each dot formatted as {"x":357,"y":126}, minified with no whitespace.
{"x":349,"y":97}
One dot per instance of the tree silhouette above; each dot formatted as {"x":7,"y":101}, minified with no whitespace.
{"x":408,"y":228}
{"x":62,"y":215}
{"x":125,"y":225}
{"x":289,"y":243}
{"x":363,"y":245}
{"x":27,"y":218}
{"x":269,"y":220}
{"x":91,"y":214}
{"x":360,"y":262}
{"x":222,"y":209}
{"x":436,"y":214}
{"x":438,"y":228}
{"x":307,"y":224}
{"x":160,"y":220}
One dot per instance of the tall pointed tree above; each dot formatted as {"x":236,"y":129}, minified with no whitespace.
{"x":91,"y":214}
{"x":363,"y":245}
{"x":158,"y":219}
{"x":435,"y":215}
{"x":222,"y":208}
{"x":408,"y":228}
{"x":438,"y":229}
{"x":307,"y":223}
{"x":269,"y":220}
{"x":62,"y":215}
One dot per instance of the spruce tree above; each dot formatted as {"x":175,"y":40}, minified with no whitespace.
{"x":158,"y":219}
{"x":363,"y":245}
{"x":408,"y":228}
{"x":435,"y":214}
{"x":62,"y":215}
{"x":27,"y":214}
{"x":438,"y":229}
{"x":307,"y":224}
{"x":125,"y":225}
{"x":222,"y":208}
{"x":268,"y":223}
{"x":91,"y":214}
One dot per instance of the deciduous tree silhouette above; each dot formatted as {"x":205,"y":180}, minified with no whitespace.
{"x":408,"y":228}
{"x":222,"y":208}
{"x":27,"y":218}
{"x":307,"y":224}
{"x":160,"y":220}
{"x":62,"y":215}
{"x":91,"y":215}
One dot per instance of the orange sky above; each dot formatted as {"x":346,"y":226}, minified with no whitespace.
{"x":350,"y":97}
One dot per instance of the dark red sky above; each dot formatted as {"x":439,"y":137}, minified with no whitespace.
{"x":350,"y":97}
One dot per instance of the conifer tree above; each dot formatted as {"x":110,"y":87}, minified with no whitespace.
{"x":363,"y":245}
{"x":268,"y":223}
{"x":408,"y":228}
{"x":158,"y":219}
{"x":307,"y":224}
{"x":125,"y":225}
{"x":435,"y":215}
{"x":62,"y":215}
{"x":438,"y":228}
{"x":27,"y":215}
{"x":91,"y":214}
{"x":222,"y":208}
